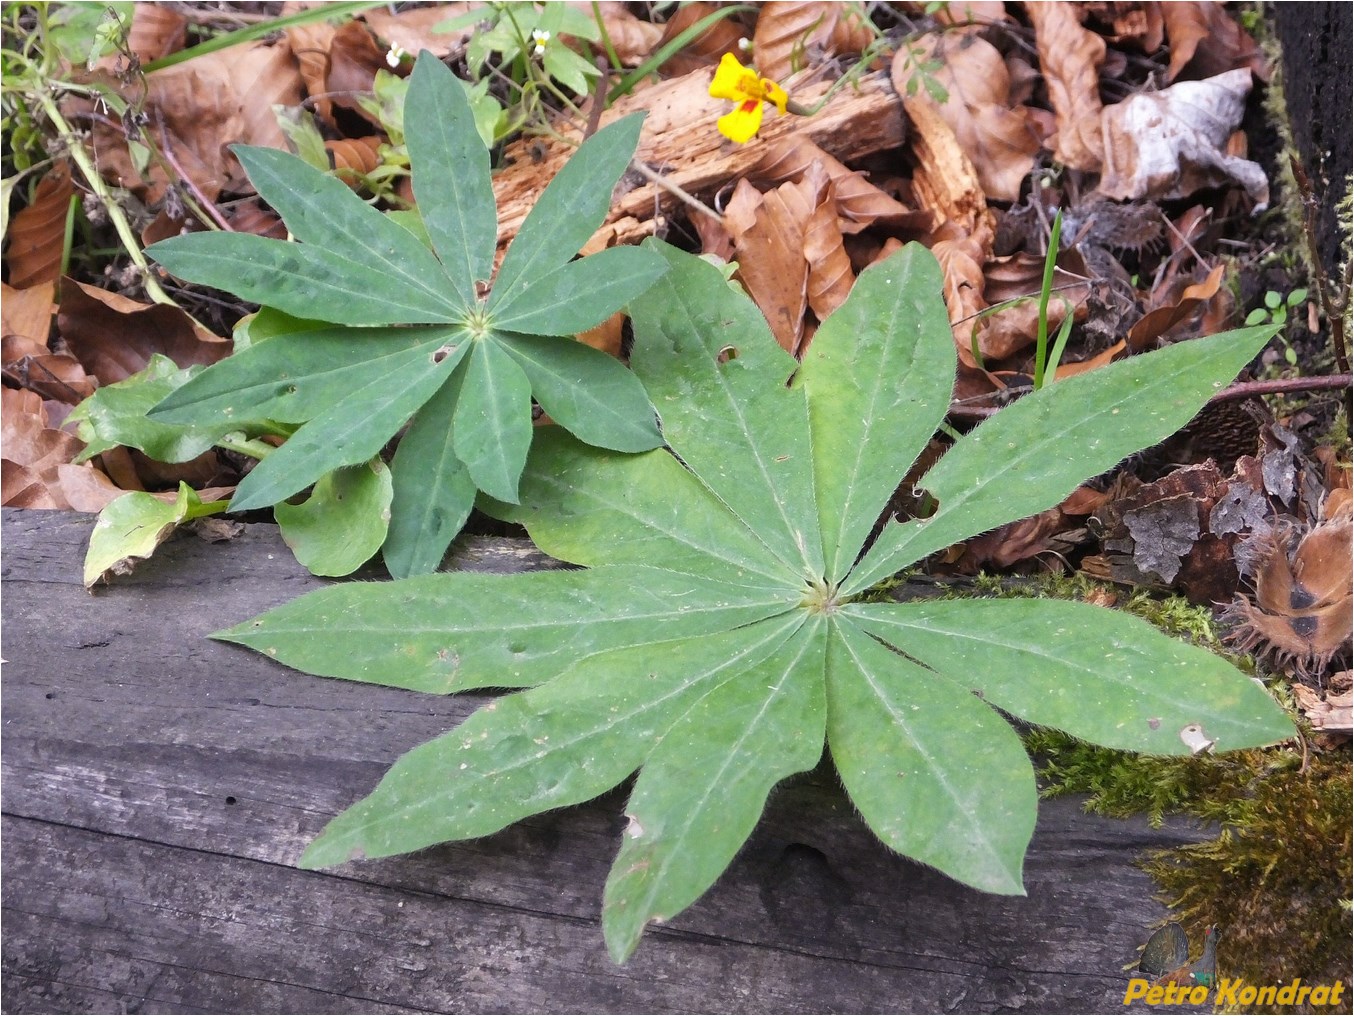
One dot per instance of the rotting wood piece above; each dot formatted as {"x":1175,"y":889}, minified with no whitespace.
{"x":158,"y":789}
{"x":680,"y":141}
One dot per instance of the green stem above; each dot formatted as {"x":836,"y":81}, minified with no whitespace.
{"x":255,"y":448}
{"x":115,"y":213}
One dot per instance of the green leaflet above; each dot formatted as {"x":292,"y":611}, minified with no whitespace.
{"x":402,"y":324}
{"x":713,"y":644}
{"x":872,"y":341}
{"x":1060,"y":435}
{"x":456,"y":204}
{"x":1114,"y":689}
{"x":559,"y":744}
{"x":703,"y":787}
{"x":717,"y":379}
{"x":433,"y":492}
{"x":461,"y":631}
{"x":936,"y":773}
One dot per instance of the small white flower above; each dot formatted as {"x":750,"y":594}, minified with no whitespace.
{"x":396,"y":54}
{"x":540,"y":39}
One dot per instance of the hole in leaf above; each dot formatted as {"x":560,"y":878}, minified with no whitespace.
{"x":726,"y":354}
{"x":441,"y":354}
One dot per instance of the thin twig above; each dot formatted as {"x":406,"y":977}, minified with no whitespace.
{"x":658,"y":180}
{"x":208,"y":207}
{"x":1281,"y":386}
{"x":1232,"y":393}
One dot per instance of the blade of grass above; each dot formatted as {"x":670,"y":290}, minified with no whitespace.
{"x":306,"y":17}
{"x":1045,"y":288}
{"x":669,"y":50}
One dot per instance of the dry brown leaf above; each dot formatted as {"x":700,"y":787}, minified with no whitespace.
{"x":1071,"y":58}
{"x":54,"y":376}
{"x":852,"y":33}
{"x":607,"y":336}
{"x":200,"y":107}
{"x":1157,"y":322}
{"x":27,"y":312}
{"x":310,"y":45}
{"x":37,"y":233}
{"x":1206,"y":40}
{"x":977,"y":12}
{"x":791,"y":35}
{"x":998,"y":139}
{"x":830,"y":274}
{"x":1171,"y":143}
{"x":961,"y":258}
{"x":1090,"y":363}
{"x":704,"y":50}
{"x":632,"y":38}
{"x":412,"y":29}
{"x":945,"y":183}
{"x":114,"y":337}
{"x":858,"y":202}
{"x":354,"y":158}
{"x":354,"y":59}
{"x":32,"y":452}
{"x":771,"y":264}
{"x":157,"y":30}
{"x":85,"y":488}
{"x":1010,"y":330}
{"x":1136,"y":24}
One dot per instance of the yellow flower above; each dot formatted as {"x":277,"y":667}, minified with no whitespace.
{"x":743,"y":86}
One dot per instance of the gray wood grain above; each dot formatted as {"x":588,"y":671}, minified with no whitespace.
{"x":158,"y":789}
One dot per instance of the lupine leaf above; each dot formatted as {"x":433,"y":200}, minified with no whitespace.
{"x":710,"y":644}
{"x":359,"y":360}
{"x":343,"y":523}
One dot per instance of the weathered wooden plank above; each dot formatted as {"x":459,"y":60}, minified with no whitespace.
{"x":158,"y":789}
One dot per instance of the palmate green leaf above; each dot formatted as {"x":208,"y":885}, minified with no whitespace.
{"x":713,"y":643}
{"x":355,"y":380}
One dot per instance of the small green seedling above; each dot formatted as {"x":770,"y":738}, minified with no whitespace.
{"x":367,"y":327}
{"x":1275,"y":312}
{"x":720,"y":634}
